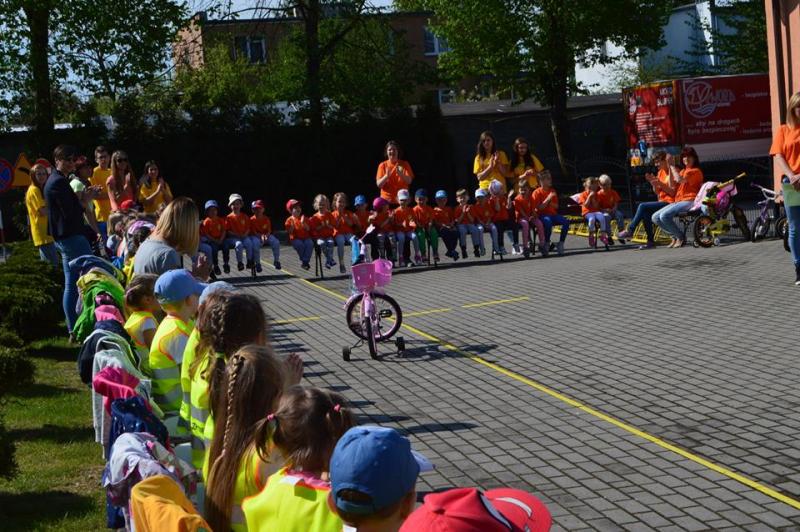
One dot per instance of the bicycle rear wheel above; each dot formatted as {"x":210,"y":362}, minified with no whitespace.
{"x":759,"y":229}
{"x":702,"y":233}
{"x":388,"y":311}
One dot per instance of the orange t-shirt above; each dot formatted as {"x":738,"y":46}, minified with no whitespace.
{"x":395,"y":182}
{"x":499,"y":208}
{"x":539,"y":196}
{"x":443,"y":215}
{"x":213,"y":227}
{"x":299,"y":226}
{"x":423,"y":215}
{"x":663,"y":177}
{"x":260,"y":226}
{"x":403,"y":218}
{"x":523,"y":206}
{"x":482,"y":213}
{"x":608,"y":198}
{"x":787,"y":143}
{"x":458,"y":210}
{"x":363,"y":219}
{"x":239,"y":224}
{"x":382,"y":221}
{"x":586,"y":209}
{"x":318,"y":222}
{"x":343,"y":222}
{"x":690,"y":186}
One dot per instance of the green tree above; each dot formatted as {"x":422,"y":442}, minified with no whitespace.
{"x":531,"y":47}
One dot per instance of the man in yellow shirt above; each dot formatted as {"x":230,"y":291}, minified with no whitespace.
{"x":102,"y":206}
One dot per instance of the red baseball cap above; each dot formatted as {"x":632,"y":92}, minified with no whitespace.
{"x":470,"y":510}
{"x":126,"y":205}
{"x":257,"y":204}
{"x":291,"y":203}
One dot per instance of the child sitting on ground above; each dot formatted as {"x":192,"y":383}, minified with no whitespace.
{"x":445,"y":224}
{"x":500,"y":206}
{"x":261,"y":235}
{"x":177,"y":293}
{"x":590,"y":208}
{"x":237,"y":231}
{"x":304,"y":429}
{"x":465,"y":223}
{"x":482,"y":214}
{"x":299,"y":233}
{"x":426,"y":229}
{"x":322,"y":228}
{"x":212,"y":234}
{"x":526,"y":216}
{"x":405,"y":227}
{"x":545,"y":201}
{"x":141,"y":308}
{"x":345,"y":225}
{"x":373,"y":478}
{"x":609,"y":205}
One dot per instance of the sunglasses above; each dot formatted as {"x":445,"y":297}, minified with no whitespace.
{"x":122,"y":160}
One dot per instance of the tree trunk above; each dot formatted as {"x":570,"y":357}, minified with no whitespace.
{"x":37,"y":14}
{"x":313,"y":82}
{"x":559,"y":124}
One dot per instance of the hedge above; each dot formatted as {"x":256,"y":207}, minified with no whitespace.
{"x":15,"y":370}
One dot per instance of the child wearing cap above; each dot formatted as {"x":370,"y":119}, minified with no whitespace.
{"x":545,"y":201}
{"x":501,"y":206}
{"x":361,"y":213}
{"x":299,"y":233}
{"x":465,"y":223}
{"x":609,"y":205}
{"x":177,"y":293}
{"x":405,"y":227}
{"x":261,"y":235}
{"x":212,"y":234}
{"x":237,"y":226}
{"x":445,"y":224}
{"x":322,"y":228}
{"x":304,"y":429}
{"x":426,"y":229}
{"x":379,"y":228}
{"x":482,"y":214}
{"x":345,"y":225}
{"x":373,"y":478}
{"x":526,"y":216}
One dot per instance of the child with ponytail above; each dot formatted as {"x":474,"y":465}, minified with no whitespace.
{"x":304,"y":429}
{"x":142,"y":308}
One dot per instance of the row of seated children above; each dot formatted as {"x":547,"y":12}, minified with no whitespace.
{"x":599,"y":204}
{"x":276,"y":455}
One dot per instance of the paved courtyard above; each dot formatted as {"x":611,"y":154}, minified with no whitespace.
{"x":629,"y":390}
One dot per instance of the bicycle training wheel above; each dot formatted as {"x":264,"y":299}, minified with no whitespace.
{"x":391,"y":317}
{"x":759,"y":229}
{"x":702,"y":232}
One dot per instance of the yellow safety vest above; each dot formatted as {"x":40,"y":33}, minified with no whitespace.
{"x":291,"y":501}
{"x":166,"y":355}
{"x":133,"y":327}
{"x":195,"y":401}
{"x":249,"y":481}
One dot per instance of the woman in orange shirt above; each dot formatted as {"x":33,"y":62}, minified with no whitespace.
{"x":646,"y":209}
{"x":393,"y":174}
{"x":686,"y":184}
{"x":786,"y":153}
{"x":299,"y":233}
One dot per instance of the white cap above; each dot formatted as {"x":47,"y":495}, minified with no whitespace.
{"x":402,"y":194}
{"x":234,"y":197}
{"x":481,"y":193}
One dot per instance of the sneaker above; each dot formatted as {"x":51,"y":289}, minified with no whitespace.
{"x":240,"y":266}
{"x":620,"y":240}
{"x":560,"y":249}
{"x":417,"y":260}
{"x":250,"y":265}
{"x":277,"y":264}
{"x":526,"y":253}
{"x":226,"y":268}
{"x":797,"y":276}
{"x":623,"y":235}
{"x":604,"y":240}
{"x":503,"y":251}
{"x":342,"y":269}
{"x":402,"y":264}
{"x":649,"y":245}
{"x":592,"y":241}
{"x":476,"y":251}
{"x":259,"y":268}
{"x":216,"y":270}
{"x":610,"y":241}
{"x":544,"y":249}
{"x":515,"y":249}
{"x":464,"y":253}
{"x":328,"y":264}
{"x":306,"y":266}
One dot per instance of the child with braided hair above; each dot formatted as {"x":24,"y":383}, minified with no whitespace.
{"x":304,"y":429}
{"x":242,"y":394}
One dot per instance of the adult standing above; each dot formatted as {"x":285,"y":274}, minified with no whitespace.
{"x":646,"y":209}
{"x":686,"y":183}
{"x":394,"y":174}
{"x":120,"y":183}
{"x":524,"y":164}
{"x":785,"y":151}
{"x":490,"y":163}
{"x":154,"y":192}
{"x":100,"y":174}
{"x":177,"y":233}
{"x":65,"y":224}
{"x":37,"y":214}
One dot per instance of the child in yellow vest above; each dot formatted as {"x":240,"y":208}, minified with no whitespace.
{"x":177,"y":293}
{"x":304,"y":429}
{"x":141,"y":307}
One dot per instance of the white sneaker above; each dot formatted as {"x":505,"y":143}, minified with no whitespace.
{"x":515,"y":249}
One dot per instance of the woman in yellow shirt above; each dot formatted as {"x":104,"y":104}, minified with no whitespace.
{"x":490,"y":163}
{"x":37,"y":214}
{"x":525,"y":164}
{"x":154,"y":192}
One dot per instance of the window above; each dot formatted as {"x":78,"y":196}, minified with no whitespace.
{"x":252,"y":48}
{"x":446,"y":96}
{"x":434,"y":45}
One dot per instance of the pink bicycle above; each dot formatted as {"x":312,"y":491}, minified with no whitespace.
{"x":372,"y":315}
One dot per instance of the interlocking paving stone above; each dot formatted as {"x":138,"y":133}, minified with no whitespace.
{"x":692,"y":346}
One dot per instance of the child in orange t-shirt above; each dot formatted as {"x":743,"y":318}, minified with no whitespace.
{"x":426,"y":229}
{"x":362,"y":214}
{"x":609,"y":205}
{"x":501,"y":206}
{"x":545,"y":201}
{"x":482,"y":214}
{"x":212,"y":235}
{"x":261,"y":234}
{"x":465,"y":224}
{"x":405,"y":226}
{"x":322,"y":228}
{"x":526,"y":216}
{"x":345,"y":226}
{"x":299,"y":233}
{"x":445,"y":225}
{"x":379,"y":228}
{"x":590,"y":208}
{"x":237,"y":231}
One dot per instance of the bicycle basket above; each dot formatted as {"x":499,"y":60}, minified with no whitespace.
{"x":383,"y":272}
{"x":364,"y":276}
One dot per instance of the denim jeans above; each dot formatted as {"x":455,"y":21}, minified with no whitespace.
{"x":273,"y":243}
{"x":102,"y":227}
{"x":48,"y":253}
{"x":71,"y":248}
{"x":326,"y":245}
{"x":341,"y":240}
{"x":616,"y":215}
{"x":304,"y":249}
{"x":793,"y":215}
{"x":665,"y":218}
{"x":548,"y":221}
{"x":644,"y":214}
{"x":401,"y":237}
{"x":476,"y":235}
{"x":239,"y":245}
{"x":211,"y":248}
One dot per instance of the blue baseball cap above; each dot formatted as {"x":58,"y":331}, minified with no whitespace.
{"x":441,"y":194}
{"x":421,"y":193}
{"x":211,"y":203}
{"x":375,"y":461}
{"x":177,"y":285}
{"x":360,"y":200}
{"x":218,"y":286}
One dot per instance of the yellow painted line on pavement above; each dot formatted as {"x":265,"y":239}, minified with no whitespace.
{"x":424,"y":312}
{"x":496,"y":302}
{"x":294,"y":320}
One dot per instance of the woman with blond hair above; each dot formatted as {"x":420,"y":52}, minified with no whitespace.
{"x":121,"y":184}
{"x":37,"y":214}
{"x":785,"y":151}
{"x":177,"y":233}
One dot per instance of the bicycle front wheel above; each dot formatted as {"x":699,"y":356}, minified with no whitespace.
{"x":702,"y":231}
{"x":390,"y":317}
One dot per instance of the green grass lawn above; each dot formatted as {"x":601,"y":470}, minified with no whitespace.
{"x":58,"y":485}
